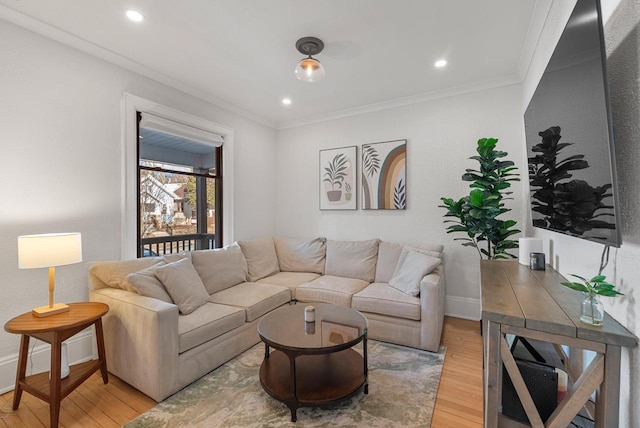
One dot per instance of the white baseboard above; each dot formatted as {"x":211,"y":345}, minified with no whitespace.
{"x":463,"y":307}
{"x":80,"y":349}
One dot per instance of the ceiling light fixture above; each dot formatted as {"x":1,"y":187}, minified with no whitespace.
{"x":286,"y":101}
{"x":441,"y":63}
{"x":134,"y":15}
{"x":309,"y":69}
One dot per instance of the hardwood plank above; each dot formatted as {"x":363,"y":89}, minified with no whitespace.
{"x":458,"y":403}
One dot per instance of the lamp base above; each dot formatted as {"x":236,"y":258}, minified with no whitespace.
{"x":45,"y":311}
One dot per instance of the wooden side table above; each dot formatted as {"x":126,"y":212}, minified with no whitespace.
{"x":54,"y":330}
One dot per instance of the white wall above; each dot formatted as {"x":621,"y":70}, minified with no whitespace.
{"x":61,"y":166}
{"x":441,"y":136}
{"x":571,"y":255}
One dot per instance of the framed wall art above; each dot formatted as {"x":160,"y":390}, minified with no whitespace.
{"x":384,"y":175}
{"x":338,"y":179}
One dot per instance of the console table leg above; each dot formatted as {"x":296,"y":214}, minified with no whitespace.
{"x":22,"y":369}
{"x":492,"y":379}
{"x":608,"y":394}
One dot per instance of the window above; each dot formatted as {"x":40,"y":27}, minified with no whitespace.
{"x":130,"y":204}
{"x":179,"y":187}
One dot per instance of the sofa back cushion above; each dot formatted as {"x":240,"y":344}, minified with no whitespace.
{"x":389,"y":255}
{"x":352,"y":259}
{"x":262,"y":260}
{"x":221,"y":268}
{"x":114,"y":273}
{"x":301,"y":255}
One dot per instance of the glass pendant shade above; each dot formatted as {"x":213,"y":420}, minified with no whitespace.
{"x":309,"y":70}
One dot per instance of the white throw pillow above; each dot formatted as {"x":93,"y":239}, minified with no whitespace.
{"x":147,"y":284}
{"x":183,"y":285}
{"x":412,"y":267}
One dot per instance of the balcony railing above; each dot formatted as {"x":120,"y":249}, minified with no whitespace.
{"x":160,"y":245}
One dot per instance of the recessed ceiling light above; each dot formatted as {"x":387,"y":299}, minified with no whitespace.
{"x":135,"y":16}
{"x":440,"y":63}
{"x":286,"y":101}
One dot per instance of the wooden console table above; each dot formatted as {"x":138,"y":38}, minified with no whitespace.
{"x":55,"y":329}
{"x":533,"y":304}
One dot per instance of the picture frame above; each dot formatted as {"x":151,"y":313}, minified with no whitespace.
{"x":338,"y":178}
{"x":384,"y":175}
{"x":337,"y":334}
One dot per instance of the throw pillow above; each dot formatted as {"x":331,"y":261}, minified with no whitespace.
{"x":411,"y":268}
{"x":220,"y":268}
{"x":261,"y":256}
{"x":147,"y":284}
{"x":183,"y":285}
{"x":352,"y":259}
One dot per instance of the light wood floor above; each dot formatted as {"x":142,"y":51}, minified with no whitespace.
{"x":93,"y":404}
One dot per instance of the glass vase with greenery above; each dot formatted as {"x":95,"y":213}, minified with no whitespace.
{"x":592,"y":311}
{"x":476,"y":215}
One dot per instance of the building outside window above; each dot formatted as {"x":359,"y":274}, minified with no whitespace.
{"x":179,"y":187}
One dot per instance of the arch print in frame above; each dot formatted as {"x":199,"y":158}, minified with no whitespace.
{"x":384,"y":175}
{"x":338,"y":177}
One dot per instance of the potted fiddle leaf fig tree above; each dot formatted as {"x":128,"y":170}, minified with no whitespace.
{"x":476,"y":215}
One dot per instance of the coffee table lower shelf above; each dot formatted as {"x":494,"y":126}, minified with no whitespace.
{"x":320,"y":380}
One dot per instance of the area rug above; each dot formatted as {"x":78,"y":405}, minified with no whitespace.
{"x":403,"y":383}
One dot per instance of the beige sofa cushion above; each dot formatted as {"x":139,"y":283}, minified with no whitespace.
{"x":256,"y":299}
{"x":147,"y":284}
{"x":183,"y":285}
{"x":207,"y":322}
{"x":220,"y":268}
{"x":114,"y":273}
{"x":290,"y":280}
{"x":389,"y":254}
{"x":261,"y":257}
{"x":301,"y":255}
{"x":352,"y":259}
{"x":330,"y":289}
{"x":412,"y":266}
{"x":379,"y":298}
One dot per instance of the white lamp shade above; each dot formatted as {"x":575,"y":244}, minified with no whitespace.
{"x":309,"y":70}
{"x":52,"y":249}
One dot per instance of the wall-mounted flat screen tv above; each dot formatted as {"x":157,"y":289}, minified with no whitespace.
{"x":569,"y":136}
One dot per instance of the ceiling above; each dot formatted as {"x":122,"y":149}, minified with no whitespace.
{"x":241,"y":54}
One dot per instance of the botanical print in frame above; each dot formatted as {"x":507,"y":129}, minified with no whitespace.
{"x":338,"y":179}
{"x":384,"y":175}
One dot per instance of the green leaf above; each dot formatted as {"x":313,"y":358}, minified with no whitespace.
{"x":576,"y":286}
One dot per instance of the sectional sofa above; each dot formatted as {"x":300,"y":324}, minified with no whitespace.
{"x":173,"y":319}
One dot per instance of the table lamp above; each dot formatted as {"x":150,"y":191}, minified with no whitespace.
{"x":49,"y":250}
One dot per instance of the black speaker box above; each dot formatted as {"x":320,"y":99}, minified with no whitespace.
{"x":541,"y":381}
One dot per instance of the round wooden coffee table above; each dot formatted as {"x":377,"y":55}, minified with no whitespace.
{"x":313,"y":363}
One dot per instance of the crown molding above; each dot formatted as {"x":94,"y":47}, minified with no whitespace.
{"x":69,"y":39}
{"x":405,"y":101}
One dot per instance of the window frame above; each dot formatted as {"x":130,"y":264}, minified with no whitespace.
{"x":130,"y":187}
